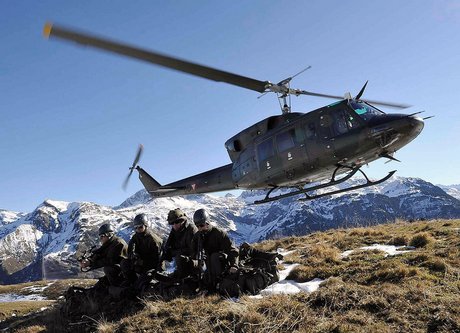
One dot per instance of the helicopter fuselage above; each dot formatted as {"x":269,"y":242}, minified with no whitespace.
{"x":294,"y":149}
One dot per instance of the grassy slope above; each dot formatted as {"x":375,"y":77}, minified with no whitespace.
{"x":367,"y":292}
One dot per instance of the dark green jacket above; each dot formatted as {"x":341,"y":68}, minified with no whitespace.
{"x":147,"y":246}
{"x":180,"y":242}
{"x":215,"y":240}
{"x":109,"y":254}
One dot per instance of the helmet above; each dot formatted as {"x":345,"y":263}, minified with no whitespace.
{"x":106,"y":228}
{"x":176,"y":216}
{"x":140,"y":219}
{"x":200,"y":217}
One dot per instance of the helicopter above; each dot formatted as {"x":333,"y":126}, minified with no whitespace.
{"x":297,"y":152}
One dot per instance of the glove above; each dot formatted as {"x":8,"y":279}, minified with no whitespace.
{"x":233,"y":270}
{"x":185,"y":259}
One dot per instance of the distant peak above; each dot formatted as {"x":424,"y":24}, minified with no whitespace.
{"x":59,"y":205}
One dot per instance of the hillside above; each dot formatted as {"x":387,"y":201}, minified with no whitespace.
{"x":51,"y":237}
{"x":363,"y":291}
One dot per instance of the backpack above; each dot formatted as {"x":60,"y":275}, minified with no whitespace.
{"x":247,"y":280}
{"x":264,"y":263}
{"x":81,"y":301}
{"x":253,"y":280}
{"x":229,"y":286}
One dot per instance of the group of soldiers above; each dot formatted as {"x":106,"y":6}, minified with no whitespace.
{"x":197,"y":248}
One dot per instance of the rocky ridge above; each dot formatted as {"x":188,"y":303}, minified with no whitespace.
{"x":46,"y":242}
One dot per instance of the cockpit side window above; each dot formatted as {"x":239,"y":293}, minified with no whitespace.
{"x":343,"y":122}
{"x":365,"y":111}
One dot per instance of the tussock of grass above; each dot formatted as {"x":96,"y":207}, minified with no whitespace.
{"x":436,"y":265}
{"x":393,"y":272}
{"x":421,"y":240}
{"x":104,"y":326}
{"x":401,"y":240}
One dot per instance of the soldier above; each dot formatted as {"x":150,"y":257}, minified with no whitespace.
{"x":221,"y":255}
{"x":179,"y":243}
{"x":143,"y":250}
{"x":109,"y":255}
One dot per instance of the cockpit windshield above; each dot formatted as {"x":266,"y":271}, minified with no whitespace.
{"x":365,"y":111}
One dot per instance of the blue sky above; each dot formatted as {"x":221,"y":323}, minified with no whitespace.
{"x":72,"y":117}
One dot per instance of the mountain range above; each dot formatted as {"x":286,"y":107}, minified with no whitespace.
{"x":45,"y":243}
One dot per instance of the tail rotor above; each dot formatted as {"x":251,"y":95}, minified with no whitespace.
{"x":131,"y":169}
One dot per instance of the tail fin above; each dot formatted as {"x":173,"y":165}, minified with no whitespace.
{"x":148,"y":181}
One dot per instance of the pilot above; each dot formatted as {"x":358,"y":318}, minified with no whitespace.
{"x":220,"y":254}
{"x":179,"y":243}
{"x":108,"y":256}
{"x":143,"y":250}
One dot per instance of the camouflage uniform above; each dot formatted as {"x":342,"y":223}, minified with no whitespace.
{"x":109,"y":256}
{"x":179,"y":247}
{"x":220,"y":253}
{"x":143,"y":254}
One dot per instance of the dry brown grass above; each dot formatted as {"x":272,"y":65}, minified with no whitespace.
{"x":52,"y":289}
{"x":401,"y":240}
{"x":22,"y":308}
{"x":32,"y":329}
{"x":421,"y":240}
{"x":366,"y":292}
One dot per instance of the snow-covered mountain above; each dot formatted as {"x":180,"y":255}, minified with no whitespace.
{"x":47,"y":242}
{"x":452,"y":190}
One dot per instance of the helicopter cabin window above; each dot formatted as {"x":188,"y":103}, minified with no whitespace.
{"x":343,"y":122}
{"x":265,"y":150}
{"x":286,"y":140}
{"x":366,"y":111}
{"x":310,"y":131}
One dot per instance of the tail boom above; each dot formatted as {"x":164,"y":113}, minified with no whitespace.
{"x":215,"y":180}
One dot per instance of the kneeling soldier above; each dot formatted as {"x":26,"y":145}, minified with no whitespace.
{"x":221,"y":255}
{"x":143,"y":250}
{"x":108,"y":256}
{"x":179,"y":243}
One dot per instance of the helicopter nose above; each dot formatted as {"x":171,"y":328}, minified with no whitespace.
{"x":408,"y":127}
{"x":397,"y":130}
{"x":416,"y":125}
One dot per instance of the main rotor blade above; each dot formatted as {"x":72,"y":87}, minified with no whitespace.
{"x":309,"y":93}
{"x":210,"y":73}
{"x":388,"y":104}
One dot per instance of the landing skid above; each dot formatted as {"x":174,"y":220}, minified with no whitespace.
{"x":332,"y":182}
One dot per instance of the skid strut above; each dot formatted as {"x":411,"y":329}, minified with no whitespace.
{"x":332,"y":182}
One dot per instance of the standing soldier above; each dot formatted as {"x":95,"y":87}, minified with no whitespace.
{"x":179,"y":243}
{"x":108,"y":256}
{"x":143,"y":250}
{"x":220,"y":254}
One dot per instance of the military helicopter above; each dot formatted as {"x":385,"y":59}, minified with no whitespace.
{"x":292,"y":150}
